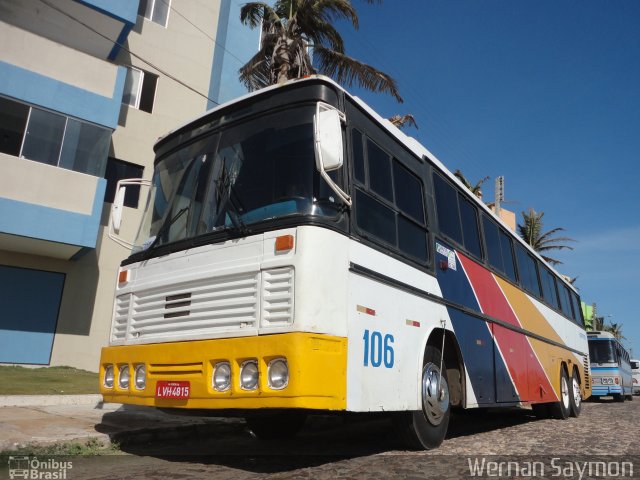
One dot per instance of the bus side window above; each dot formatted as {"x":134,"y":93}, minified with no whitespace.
{"x":492,"y":241}
{"x":358,"y":156}
{"x":564,"y":301}
{"x":470,"y":232}
{"x":577,"y":311}
{"x":528,"y":271}
{"x":507,"y":255}
{"x":379,"y":171}
{"x":447,"y":209}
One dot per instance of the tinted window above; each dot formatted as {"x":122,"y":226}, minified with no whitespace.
{"x":408,"y":192}
{"x":549,"y":287}
{"x":577,"y":311}
{"x":470,"y":233}
{"x":447,"y":208}
{"x":13,"y":120}
{"x":492,"y":240}
{"x":375,"y":218}
{"x":358,"y":156}
{"x":507,"y":256}
{"x":379,"y":171}
{"x":412,"y":239}
{"x":528,"y":271}
{"x":565,"y":303}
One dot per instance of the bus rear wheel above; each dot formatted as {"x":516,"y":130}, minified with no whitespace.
{"x":576,"y":395}
{"x":425,"y":429}
{"x":619,"y":397}
{"x":279,"y":425}
{"x":561,"y":409}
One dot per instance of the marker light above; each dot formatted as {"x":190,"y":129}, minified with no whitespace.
{"x":221,"y":379}
{"x":108,"y":376}
{"x":123,"y":377}
{"x":140,"y":377}
{"x":284,"y":243}
{"x":123,"y":276}
{"x":249,"y":375}
{"x":278,"y":374}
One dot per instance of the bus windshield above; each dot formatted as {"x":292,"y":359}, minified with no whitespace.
{"x":248,"y":172}
{"x":602,"y":352}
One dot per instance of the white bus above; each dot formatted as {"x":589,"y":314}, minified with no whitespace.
{"x":299,"y":254}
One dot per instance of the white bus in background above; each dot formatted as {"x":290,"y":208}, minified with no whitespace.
{"x":635,"y":370}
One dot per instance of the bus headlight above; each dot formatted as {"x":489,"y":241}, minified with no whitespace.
{"x":108,"y":376}
{"x":123,"y":377}
{"x":140,"y":377}
{"x":221,"y":379}
{"x":278,"y":374}
{"x":249,"y":375}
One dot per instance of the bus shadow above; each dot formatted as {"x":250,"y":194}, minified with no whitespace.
{"x":324,"y":439}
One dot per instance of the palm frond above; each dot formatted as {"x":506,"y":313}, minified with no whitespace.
{"x":346,"y":70}
{"x":402,"y":120}
{"x":252,"y":14}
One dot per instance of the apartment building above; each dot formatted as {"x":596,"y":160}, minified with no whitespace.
{"x":86,"y":88}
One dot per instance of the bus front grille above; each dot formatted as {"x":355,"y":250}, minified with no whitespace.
{"x":196,"y":308}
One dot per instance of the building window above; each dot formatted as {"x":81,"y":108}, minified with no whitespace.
{"x":155,"y":10}
{"x":13,"y":121}
{"x":118,"y":170}
{"x":51,"y":138}
{"x":140,"y":89}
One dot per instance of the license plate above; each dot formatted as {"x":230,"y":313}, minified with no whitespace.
{"x":167,"y":389}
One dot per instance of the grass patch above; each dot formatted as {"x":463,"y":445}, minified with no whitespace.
{"x":47,"y":381}
{"x":91,"y":447}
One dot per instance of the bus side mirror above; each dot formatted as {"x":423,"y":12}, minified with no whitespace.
{"x":116,"y":208}
{"x":328,"y":146}
{"x":328,"y":138}
{"x":115,"y":218}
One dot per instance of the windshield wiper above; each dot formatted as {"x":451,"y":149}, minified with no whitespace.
{"x":165,"y":227}
{"x":227,"y":194}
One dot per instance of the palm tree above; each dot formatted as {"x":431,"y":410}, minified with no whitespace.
{"x":614,"y":329}
{"x":531,"y":231}
{"x":402,"y":120}
{"x":289,"y":29}
{"x":475,"y":189}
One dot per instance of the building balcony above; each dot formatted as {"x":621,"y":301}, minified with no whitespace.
{"x":46,"y":210}
{"x":94,"y":27}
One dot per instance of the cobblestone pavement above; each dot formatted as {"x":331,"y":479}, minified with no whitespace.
{"x":362,"y":448}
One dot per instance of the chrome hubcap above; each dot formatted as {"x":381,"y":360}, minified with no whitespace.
{"x":565,"y":392}
{"x":577,"y":397}
{"x":435,"y":394}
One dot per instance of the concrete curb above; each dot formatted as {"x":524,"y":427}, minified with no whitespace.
{"x":48,"y":400}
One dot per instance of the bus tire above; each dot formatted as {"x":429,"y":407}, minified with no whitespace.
{"x":278,"y":425}
{"x":618,"y":397}
{"x":575,"y":395}
{"x":426,"y":428}
{"x":561,"y":409}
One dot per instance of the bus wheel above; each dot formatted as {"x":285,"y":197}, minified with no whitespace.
{"x":276,"y":425}
{"x":619,"y":397}
{"x":561,"y":409}
{"x":426,"y":428}
{"x":576,"y":395}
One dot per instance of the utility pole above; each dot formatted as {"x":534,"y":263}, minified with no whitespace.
{"x":499,"y":194}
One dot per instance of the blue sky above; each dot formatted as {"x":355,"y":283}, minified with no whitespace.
{"x":544,"y":92}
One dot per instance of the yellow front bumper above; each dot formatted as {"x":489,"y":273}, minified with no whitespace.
{"x":317,"y":371}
